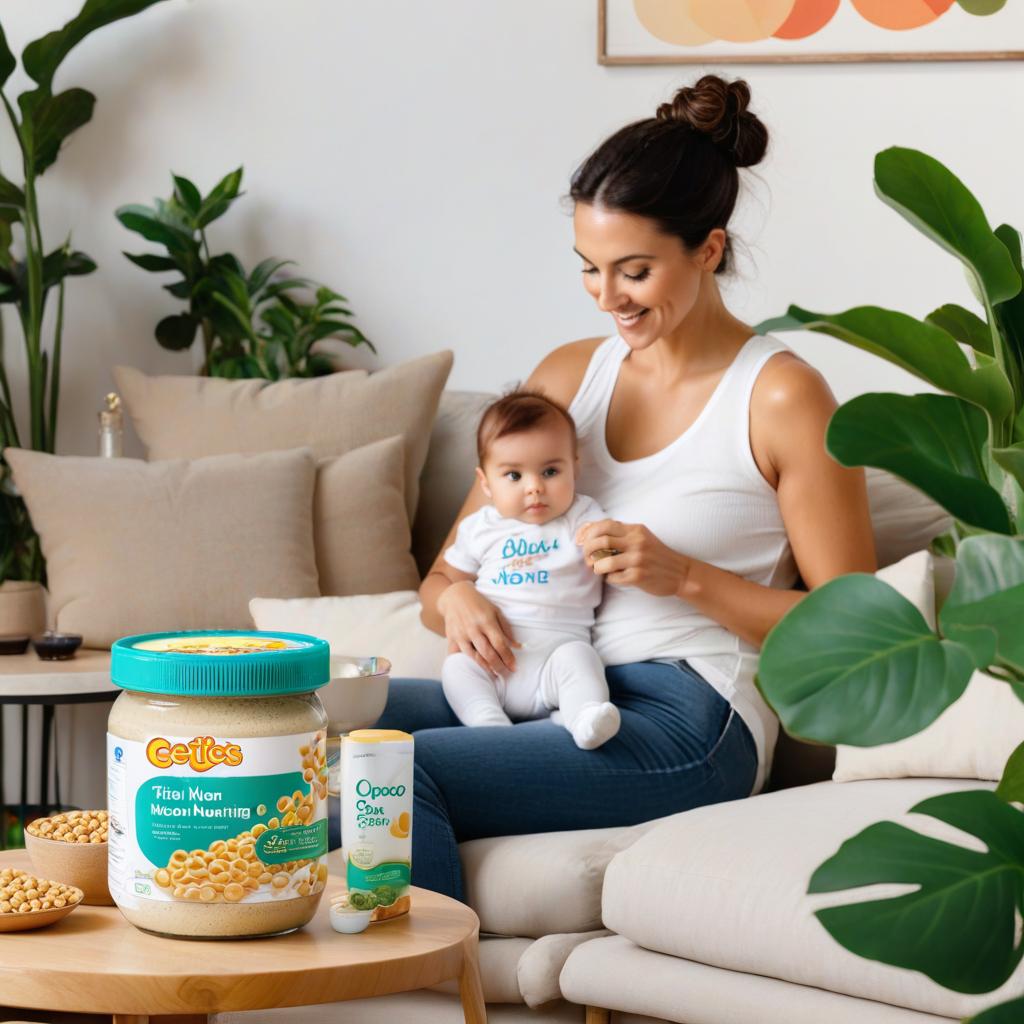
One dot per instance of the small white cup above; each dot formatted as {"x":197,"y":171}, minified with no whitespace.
{"x":350,"y":922}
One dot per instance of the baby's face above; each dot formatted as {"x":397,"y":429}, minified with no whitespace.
{"x":531,"y":476}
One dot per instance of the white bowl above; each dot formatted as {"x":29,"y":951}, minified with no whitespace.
{"x":356,"y":695}
{"x":350,"y":922}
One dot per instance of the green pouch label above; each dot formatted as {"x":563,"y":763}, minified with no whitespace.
{"x":379,"y":886}
{"x":296,"y":842}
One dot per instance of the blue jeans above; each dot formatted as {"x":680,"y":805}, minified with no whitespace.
{"x":680,"y":746}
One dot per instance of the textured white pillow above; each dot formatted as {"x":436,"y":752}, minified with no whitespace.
{"x":365,"y":625}
{"x":971,"y":739}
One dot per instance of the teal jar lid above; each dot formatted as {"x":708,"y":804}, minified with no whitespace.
{"x":221,"y":663}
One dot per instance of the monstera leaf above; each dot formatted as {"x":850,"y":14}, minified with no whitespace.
{"x":855,"y":662}
{"x":919,"y":347}
{"x":936,"y":202}
{"x":959,"y":925}
{"x":986,"y":604}
{"x":935,"y":442}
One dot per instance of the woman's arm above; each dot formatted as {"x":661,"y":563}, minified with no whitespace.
{"x":459,"y":612}
{"x":824,"y":507}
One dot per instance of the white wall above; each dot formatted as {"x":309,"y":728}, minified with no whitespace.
{"x":413,"y":155}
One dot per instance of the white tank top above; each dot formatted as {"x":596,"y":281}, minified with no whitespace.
{"x":701,"y":495}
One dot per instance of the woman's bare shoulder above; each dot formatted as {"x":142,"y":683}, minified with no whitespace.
{"x":787,"y":383}
{"x":560,"y":373}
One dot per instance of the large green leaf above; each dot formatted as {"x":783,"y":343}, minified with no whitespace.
{"x":42,"y":57}
{"x":12,"y":201}
{"x":1010,"y":314}
{"x":1005,"y":1013}
{"x":7,"y":61}
{"x":921,"y":348}
{"x":151,"y":262}
{"x":935,"y":442}
{"x":176,"y":332}
{"x":968,"y":328}
{"x":958,"y":926}
{"x":61,"y":263}
{"x":1011,"y":786}
{"x":933,"y":199}
{"x":987,"y":597}
{"x":855,"y":662}
{"x":187,"y":195}
{"x":1012,"y":460}
{"x":48,"y":120}
{"x":145,"y":222}
{"x":223,"y":194}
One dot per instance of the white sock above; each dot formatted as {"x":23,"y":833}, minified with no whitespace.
{"x":594,"y":725}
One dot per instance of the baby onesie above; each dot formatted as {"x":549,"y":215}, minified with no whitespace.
{"x":536,"y":575}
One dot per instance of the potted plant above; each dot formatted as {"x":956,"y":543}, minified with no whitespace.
{"x":856,"y":663}
{"x":252,"y":324}
{"x":30,"y":276}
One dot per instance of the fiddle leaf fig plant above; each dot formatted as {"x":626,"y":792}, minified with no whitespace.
{"x":29,"y":274}
{"x":856,"y":663}
{"x":252,"y":324}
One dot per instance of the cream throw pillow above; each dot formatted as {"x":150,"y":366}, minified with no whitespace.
{"x":971,"y":739}
{"x":138,"y":547}
{"x":189,"y":417}
{"x":359,"y":521}
{"x":378,"y":625}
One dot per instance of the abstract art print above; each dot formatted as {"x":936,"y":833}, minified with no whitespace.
{"x":807,"y":31}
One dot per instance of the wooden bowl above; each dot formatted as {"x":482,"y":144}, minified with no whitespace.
{"x":35,"y":918}
{"x":83,"y":865}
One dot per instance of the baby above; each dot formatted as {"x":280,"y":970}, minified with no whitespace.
{"x":521,"y":552}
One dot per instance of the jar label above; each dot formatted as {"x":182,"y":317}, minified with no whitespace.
{"x":211,"y":819}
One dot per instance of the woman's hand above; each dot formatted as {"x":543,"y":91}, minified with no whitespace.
{"x":477,"y":628}
{"x":629,"y":555}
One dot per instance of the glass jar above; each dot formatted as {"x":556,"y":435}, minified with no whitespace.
{"x":217,"y":782}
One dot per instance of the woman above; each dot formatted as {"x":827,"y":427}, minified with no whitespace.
{"x":705,"y":443}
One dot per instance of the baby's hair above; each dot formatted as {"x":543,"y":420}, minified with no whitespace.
{"x":516,"y":412}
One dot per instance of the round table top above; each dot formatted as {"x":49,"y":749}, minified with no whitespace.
{"x":95,"y":961}
{"x":27,"y":679}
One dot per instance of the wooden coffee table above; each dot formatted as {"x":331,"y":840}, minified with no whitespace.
{"x":94,"y":961}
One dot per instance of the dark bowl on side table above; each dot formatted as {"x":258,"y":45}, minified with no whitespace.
{"x":56,"y":646}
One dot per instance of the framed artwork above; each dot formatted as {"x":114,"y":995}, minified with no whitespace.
{"x":807,"y":31}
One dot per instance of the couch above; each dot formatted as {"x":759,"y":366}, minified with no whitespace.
{"x":698,"y":918}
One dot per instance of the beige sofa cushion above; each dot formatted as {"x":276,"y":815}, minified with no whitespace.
{"x":448,"y":472}
{"x":541,"y":884}
{"x":137,"y":547}
{"x":616,"y":974}
{"x":725,"y":885}
{"x":360,"y":526}
{"x":188,"y":417}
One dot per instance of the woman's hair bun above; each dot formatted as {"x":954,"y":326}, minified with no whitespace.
{"x":718,"y":109}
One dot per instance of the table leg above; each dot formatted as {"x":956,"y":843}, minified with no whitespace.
{"x":3,"y":792}
{"x":24,"y":767}
{"x":44,"y":760}
{"x":470,"y":988}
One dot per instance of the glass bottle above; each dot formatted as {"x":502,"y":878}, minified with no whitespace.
{"x":111,"y":432}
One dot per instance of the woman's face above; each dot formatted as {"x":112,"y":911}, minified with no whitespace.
{"x":643,"y":277}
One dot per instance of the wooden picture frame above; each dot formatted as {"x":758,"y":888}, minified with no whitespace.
{"x":789,"y":52}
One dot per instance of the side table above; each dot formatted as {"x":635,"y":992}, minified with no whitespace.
{"x":94,"y":961}
{"x":26,"y":679}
